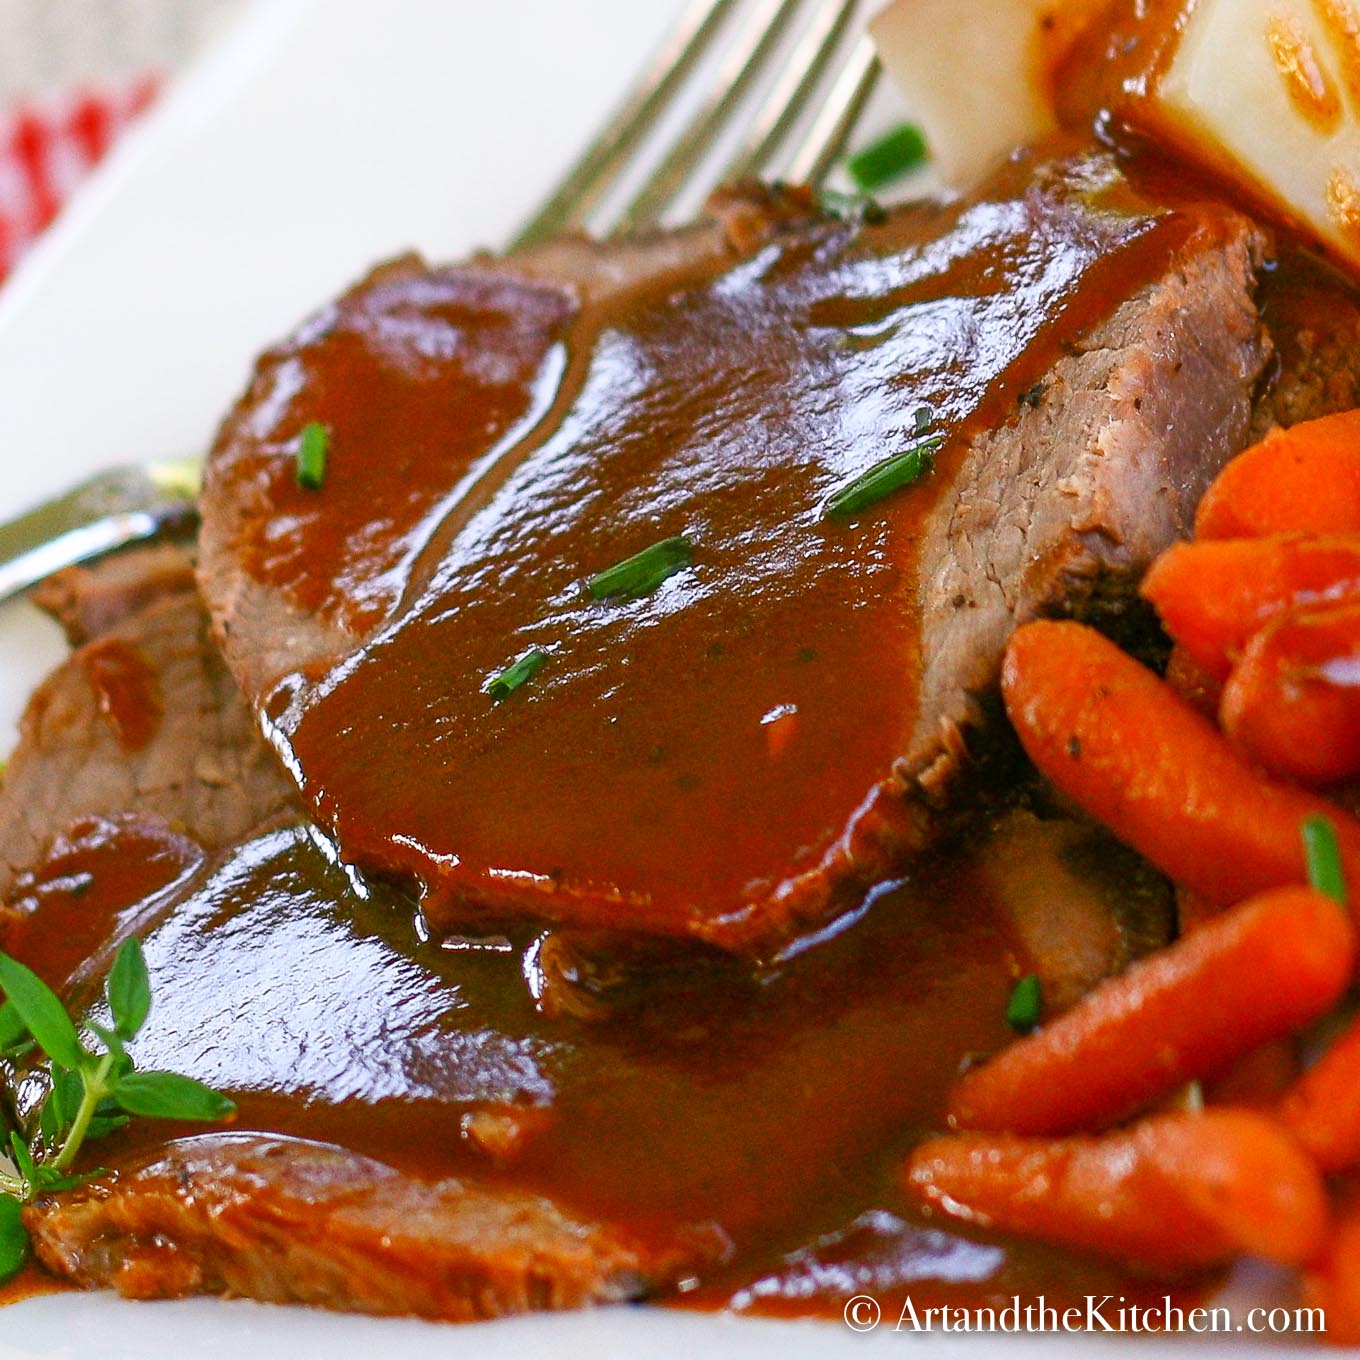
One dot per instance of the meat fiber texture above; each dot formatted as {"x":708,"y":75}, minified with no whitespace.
{"x":276,"y":1219}
{"x":288,"y":1221}
{"x":1056,"y":509}
{"x":1062,"y":511}
{"x":201,"y":767}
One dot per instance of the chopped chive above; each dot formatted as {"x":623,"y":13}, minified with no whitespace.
{"x":856,"y":208}
{"x":313,"y":445}
{"x":902,"y":469}
{"x":1324,"y":858}
{"x":519,"y":672}
{"x":888,"y":158}
{"x":1022,"y":1010}
{"x":643,"y":572}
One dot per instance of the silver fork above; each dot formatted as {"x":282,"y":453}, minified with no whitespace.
{"x":780,"y":85}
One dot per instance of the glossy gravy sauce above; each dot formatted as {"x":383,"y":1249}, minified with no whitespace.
{"x":712,"y":759}
{"x":663,"y":1090}
{"x":126,"y":688}
{"x":660,"y":1085}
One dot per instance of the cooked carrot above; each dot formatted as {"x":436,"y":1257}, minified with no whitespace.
{"x":1193,"y":683}
{"x":1121,"y":745}
{"x":1322,"y":1108}
{"x":1333,"y":1283}
{"x":1304,"y":479}
{"x":1212,"y":597}
{"x":1256,"y":973}
{"x":1292,"y":703}
{"x":1173,"y":1192}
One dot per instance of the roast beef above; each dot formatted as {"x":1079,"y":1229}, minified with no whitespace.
{"x":133,"y":799}
{"x":466,"y":1127}
{"x":287,"y":1221}
{"x":721,"y":757}
{"x":143,"y":718}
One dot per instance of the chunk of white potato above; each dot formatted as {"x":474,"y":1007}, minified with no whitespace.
{"x":1268,"y":91}
{"x":970,"y":71}
{"x":1263,"y":93}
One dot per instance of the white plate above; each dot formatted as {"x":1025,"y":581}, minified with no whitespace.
{"x":320,"y":136}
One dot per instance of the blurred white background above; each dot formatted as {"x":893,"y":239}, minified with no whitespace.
{"x":50,"y":43}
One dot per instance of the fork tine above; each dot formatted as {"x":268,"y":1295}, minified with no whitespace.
{"x":751,"y":50}
{"x":645,"y":105}
{"x":124,"y":505}
{"x":836,"y":120}
{"x":785,"y":103}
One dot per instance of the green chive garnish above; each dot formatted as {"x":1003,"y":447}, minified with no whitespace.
{"x":1324,"y":858}
{"x":1022,"y":1010}
{"x":311,"y":456}
{"x":519,"y":672}
{"x":902,"y":469}
{"x":643,"y":572}
{"x":888,"y":158}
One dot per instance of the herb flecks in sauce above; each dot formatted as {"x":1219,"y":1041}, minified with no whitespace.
{"x":1026,"y":1002}
{"x":888,"y":157}
{"x":892,"y":474}
{"x":518,"y":673}
{"x":856,"y":209}
{"x":643,"y":572}
{"x":312,"y":451}
{"x":1324,"y":858}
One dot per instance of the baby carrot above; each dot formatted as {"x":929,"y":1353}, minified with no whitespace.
{"x":1333,"y":1283}
{"x":1212,"y":597}
{"x":1292,"y":703}
{"x":1322,"y":1108}
{"x":1256,"y":973}
{"x":1173,"y":1192}
{"x":1121,"y":745}
{"x":1305,"y":479}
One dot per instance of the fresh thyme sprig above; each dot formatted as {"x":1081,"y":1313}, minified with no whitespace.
{"x":93,"y":1086}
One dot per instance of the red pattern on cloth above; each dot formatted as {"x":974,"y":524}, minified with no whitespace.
{"x":47,"y":147}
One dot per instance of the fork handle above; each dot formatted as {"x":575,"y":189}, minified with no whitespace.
{"x":116,"y":508}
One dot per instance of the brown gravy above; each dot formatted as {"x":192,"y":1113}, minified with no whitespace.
{"x":655,"y":1084}
{"x":127,"y":689}
{"x":777,"y":1102}
{"x":745,"y":716}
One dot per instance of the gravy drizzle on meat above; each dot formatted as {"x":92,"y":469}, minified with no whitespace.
{"x":732,"y":756}
{"x":532,"y":1084}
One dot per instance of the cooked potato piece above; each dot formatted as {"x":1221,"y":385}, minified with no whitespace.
{"x":1270,"y":90}
{"x":1263,"y":93}
{"x":969,"y":70}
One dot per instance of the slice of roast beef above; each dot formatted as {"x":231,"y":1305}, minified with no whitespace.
{"x":728,"y":754}
{"x":143,"y":718}
{"x":90,"y":600}
{"x":287,"y":1221}
{"x":269,"y":980}
{"x":464,"y":1128}
{"x":531,"y":1120}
